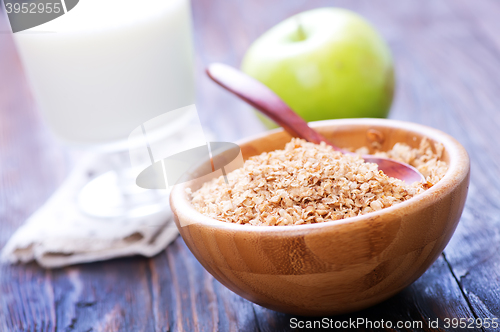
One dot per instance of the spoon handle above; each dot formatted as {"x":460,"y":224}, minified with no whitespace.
{"x":262,"y":98}
{"x":265,"y":100}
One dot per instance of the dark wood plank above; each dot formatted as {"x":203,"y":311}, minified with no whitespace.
{"x":474,"y":252}
{"x":457,"y":68}
{"x":108,"y":296}
{"x":27,"y":299}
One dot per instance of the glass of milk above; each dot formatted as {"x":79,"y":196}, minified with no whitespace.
{"x":101,"y":70}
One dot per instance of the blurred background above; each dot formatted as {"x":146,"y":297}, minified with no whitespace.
{"x":444,"y":52}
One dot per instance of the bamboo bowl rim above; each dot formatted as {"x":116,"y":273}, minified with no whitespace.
{"x":459,"y":165}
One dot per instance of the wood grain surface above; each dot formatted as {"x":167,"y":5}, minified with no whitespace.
{"x":447,"y":56}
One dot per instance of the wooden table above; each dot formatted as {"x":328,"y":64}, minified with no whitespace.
{"x":447,"y":55}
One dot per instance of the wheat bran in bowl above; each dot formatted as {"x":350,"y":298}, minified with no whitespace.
{"x":307,"y":183}
{"x":342,"y":266}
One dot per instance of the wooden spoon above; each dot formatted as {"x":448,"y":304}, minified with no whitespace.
{"x":262,"y":98}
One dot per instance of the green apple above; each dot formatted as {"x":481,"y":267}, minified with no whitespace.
{"x":325,"y":63}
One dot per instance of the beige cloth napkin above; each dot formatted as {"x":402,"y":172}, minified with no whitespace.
{"x":59,"y":234}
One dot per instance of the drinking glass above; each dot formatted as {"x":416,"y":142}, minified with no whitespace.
{"x":101,"y":70}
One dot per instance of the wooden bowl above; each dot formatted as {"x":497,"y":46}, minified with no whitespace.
{"x":338,"y":266}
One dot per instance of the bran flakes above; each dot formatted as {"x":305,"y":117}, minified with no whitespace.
{"x":309,"y":183}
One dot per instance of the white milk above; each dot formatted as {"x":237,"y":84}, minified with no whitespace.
{"x":107,"y":66}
